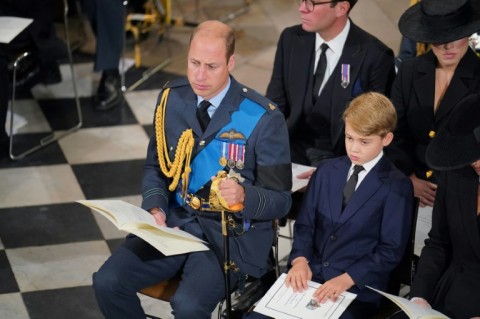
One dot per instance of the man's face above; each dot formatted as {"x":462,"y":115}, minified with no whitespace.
{"x":321,"y":18}
{"x":362,"y":149}
{"x":208,"y":69}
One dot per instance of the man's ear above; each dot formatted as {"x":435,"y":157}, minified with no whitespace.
{"x":342,"y":8}
{"x":231,"y":63}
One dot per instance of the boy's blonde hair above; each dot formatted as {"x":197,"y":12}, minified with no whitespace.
{"x":371,"y":114}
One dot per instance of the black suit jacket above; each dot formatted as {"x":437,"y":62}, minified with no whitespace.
{"x":413,"y":96}
{"x":371,"y":69}
{"x":448,"y":275}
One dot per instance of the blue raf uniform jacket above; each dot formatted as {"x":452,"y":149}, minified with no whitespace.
{"x":267,"y":172}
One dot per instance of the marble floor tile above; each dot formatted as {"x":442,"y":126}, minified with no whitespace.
{"x":47,"y":225}
{"x":123,"y":178}
{"x":143,"y":104}
{"x":12,"y":307}
{"x":28,"y":118}
{"x":105,"y":144}
{"x":38,"y":185}
{"x":86,"y":82}
{"x":57,"y":266}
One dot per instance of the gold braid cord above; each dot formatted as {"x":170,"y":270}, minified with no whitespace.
{"x":180,"y":167}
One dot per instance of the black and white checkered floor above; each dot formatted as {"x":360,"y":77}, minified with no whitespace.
{"x":49,"y":245}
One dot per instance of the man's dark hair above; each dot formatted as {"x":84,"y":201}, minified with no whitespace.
{"x":352,"y":3}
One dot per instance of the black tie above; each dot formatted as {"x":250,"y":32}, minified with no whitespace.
{"x":202,"y":114}
{"x":351,"y":183}
{"x":320,"y":71}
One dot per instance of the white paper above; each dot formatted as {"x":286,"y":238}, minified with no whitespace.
{"x":413,"y":310}
{"x":424,"y":224}
{"x":299,"y":183}
{"x":135,"y":220}
{"x":11,"y":27}
{"x":281,"y":302}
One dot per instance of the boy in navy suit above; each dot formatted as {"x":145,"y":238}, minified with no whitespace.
{"x":354,"y":223}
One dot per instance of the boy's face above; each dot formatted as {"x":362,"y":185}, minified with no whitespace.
{"x":362,"y":149}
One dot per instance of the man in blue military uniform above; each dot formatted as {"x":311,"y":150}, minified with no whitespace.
{"x":239,"y":133}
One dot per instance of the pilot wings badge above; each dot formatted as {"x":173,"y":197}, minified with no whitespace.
{"x":233,"y":149}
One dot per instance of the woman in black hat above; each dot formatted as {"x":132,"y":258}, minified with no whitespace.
{"x":448,"y":273}
{"x":429,"y":86}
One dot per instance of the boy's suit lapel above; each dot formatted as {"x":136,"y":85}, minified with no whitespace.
{"x":368,"y":187}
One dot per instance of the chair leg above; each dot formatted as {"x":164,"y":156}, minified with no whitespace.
{"x":52,"y":137}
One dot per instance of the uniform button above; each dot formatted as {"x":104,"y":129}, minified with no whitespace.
{"x":201,"y":143}
{"x":428,"y":173}
{"x":431,"y":134}
{"x":333,"y":237}
{"x":326,"y":264}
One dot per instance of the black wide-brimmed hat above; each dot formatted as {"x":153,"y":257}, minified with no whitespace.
{"x":440,"y":21}
{"x":458,"y":143}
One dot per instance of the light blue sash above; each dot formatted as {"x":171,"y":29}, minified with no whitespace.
{"x":207,"y":163}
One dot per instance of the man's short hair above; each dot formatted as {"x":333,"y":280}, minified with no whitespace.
{"x":371,"y":113}
{"x":352,"y":3}
{"x":228,"y":37}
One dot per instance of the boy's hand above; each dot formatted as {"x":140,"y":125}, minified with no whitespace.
{"x":333,"y":288}
{"x":299,"y":274}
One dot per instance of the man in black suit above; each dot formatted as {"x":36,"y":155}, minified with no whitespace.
{"x":107,"y":18}
{"x":356,"y":62}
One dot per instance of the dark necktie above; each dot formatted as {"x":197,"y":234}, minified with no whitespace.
{"x":202,"y":114}
{"x":320,"y":71}
{"x":351,"y":183}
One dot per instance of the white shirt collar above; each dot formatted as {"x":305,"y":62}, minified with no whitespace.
{"x":337,"y":43}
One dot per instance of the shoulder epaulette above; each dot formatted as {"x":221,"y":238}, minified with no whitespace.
{"x":259,"y":99}
{"x":183,"y":81}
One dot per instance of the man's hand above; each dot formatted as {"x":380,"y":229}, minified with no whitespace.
{"x":305,"y":175}
{"x":159,"y":216}
{"x":424,"y":190}
{"x":299,"y":274}
{"x":232,"y":192}
{"x":333,"y":288}
{"x":420,"y":301}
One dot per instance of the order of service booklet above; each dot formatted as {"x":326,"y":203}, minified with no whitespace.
{"x":299,"y":183}
{"x":135,"y":220}
{"x":413,"y":310}
{"x":281,"y":302}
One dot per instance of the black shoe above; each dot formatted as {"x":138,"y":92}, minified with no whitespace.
{"x":109,"y":94}
{"x":50,"y":74}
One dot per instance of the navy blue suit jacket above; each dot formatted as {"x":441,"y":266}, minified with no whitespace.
{"x":367,"y":240}
{"x":267,"y":172}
